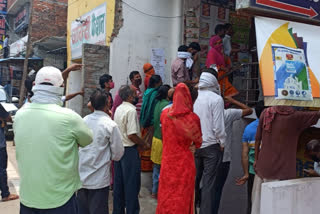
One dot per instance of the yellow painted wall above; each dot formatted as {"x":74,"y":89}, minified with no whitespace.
{"x":77,"y":8}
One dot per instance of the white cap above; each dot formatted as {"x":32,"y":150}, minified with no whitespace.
{"x":49,"y":74}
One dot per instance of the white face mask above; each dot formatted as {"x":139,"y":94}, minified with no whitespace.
{"x":46,"y":94}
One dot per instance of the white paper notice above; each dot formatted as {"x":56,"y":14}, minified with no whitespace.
{"x":158,"y":61}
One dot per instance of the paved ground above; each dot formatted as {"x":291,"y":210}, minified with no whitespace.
{"x":148,"y":204}
{"x":233,"y":198}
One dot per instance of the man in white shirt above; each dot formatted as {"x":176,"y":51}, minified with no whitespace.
{"x":313,"y":152}
{"x":127,"y":180}
{"x":209,"y":106}
{"x":230,"y":116}
{"x":6,"y":47}
{"x":95,"y":159}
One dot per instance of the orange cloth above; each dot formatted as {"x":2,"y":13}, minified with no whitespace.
{"x":149,"y":72}
{"x":227,"y":89}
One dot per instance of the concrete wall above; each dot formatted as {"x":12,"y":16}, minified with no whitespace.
{"x":147,"y":24}
{"x":299,"y":196}
{"x":96,"y":63}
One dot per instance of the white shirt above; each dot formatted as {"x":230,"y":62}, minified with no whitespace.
{"x":209,"y":106}
{"x":95,"y":159}
{"x":230,"y":115}
{"x":127,"y":119}
{"x":227,"y":45}
{"x":316,"y":167}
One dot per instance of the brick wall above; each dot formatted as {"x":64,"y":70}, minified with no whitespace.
{"x":49,"y":18}
{"x":96,"y":63}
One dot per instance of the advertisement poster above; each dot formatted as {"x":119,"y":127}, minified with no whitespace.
{"x":292,"y":49}
{"x":205,"y":12}
{"x":204,"y":30}
{"x":89,"y":28}
{"x":291,"y":78}
{"x":158,"y":61}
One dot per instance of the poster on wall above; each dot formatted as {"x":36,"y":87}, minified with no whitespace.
{"x":289,"y":61}
{"x":158,"y":61}
{"x":291,"y":78}
{"x":89,"y":28}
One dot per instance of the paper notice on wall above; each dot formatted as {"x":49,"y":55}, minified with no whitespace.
{"x":158,"y":61}
{"x":291,"y":74}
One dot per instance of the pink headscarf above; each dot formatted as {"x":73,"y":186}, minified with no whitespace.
{"x":215,"y":55}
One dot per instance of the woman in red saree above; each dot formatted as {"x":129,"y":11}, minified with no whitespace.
{"x":215,"y":56}
{"x":181,"y":130}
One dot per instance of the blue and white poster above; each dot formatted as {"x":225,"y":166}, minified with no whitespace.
{"x":291,"y":76}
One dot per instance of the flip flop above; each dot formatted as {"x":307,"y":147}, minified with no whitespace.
{"x":10,"y":197}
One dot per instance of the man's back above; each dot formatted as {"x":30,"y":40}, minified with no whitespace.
{"x":179,"y":72}
{"x":210,"y":108}
{"x":47,"y":137}
{"x":277,"y":158}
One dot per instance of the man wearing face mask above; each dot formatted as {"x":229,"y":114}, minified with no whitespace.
{"x":107,"y":84}
{"x":136,"y":81}
{"x":47,"y":138}
{"x":313,"y":152}
{"x":127,"y":180}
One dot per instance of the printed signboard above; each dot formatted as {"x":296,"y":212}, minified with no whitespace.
{"x":309,"y":9}
{"x":289,"y":61}
{"x":89,"y":28}
{"x":21,"y":19}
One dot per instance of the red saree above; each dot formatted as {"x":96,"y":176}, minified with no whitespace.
{"x":180,"y":128}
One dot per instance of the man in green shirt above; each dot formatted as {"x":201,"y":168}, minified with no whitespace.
{"x":47,"y":138}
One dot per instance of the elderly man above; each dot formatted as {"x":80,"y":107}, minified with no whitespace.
{"x":47,"y":138}
{"x":209,"y":106}
{"x":279,"y":130}
{"x":136,"y":81}
{"x":95,"y":159}
{"x":127,"y":180}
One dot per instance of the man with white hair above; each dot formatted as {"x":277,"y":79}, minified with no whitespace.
{"x":209,"y":106}
{"x":47,"y":138}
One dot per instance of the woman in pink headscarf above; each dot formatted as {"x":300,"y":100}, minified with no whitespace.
{"x":216,"y":56}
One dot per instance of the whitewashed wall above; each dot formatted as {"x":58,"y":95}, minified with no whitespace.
{"x":140,"y":33}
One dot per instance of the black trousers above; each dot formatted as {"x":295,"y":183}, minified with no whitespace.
{"x":207,"y":162}
{"x":250,"y":186}
{"x":4,"y":189}
{"x":70,"y":207}
{"x":93,"y":201}
{"x":222,"y":175}
{"x":127,"y":182}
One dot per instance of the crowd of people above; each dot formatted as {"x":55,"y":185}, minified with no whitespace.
{"x":68,"y":164}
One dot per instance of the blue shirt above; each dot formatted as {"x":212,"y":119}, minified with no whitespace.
{"x":3,"y":115}
{"x":249,"y":136}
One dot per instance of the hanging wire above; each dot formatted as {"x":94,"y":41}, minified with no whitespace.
{"x":147,"y":14}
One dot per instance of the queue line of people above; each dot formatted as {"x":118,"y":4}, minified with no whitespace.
{"x":66,"y":166}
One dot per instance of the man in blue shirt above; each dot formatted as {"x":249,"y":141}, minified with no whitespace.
{"x":5,"y":194}
{"x":248,"y":143}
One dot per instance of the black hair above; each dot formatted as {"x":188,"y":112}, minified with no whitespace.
{"x":192,"y":89}
{"x":132,"y":74}
{"x":183,"y":48}
{"x":259,"y":108}
{"x":28,"y":83}
{"x":125,"y":92}
{"x":313,"y":146}
{"x":154,"y":80}
{"x":211,"y":71}
{"x":103,"y":79}
{"x":99,"y":99}
{"x":227,"y":26}
{"x":195,"y":46}
{"x":163,"y":92}
{"x":219,"y":28}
